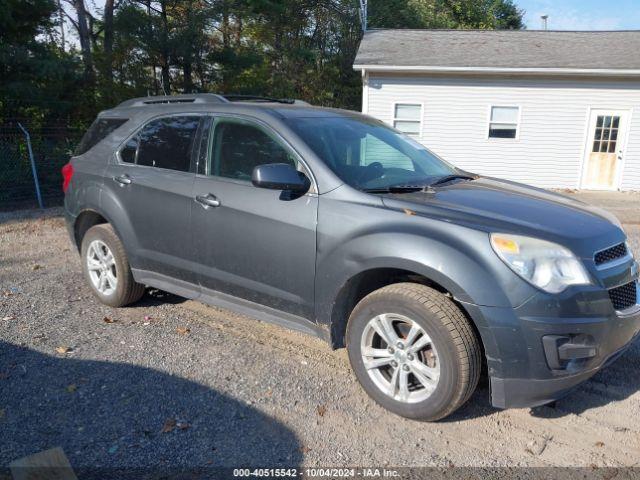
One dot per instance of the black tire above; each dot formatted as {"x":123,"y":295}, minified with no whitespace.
{"x":127,"y":290}
{"x":458,"y":348}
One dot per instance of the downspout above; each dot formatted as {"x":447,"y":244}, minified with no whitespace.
{"x":365,"y":91}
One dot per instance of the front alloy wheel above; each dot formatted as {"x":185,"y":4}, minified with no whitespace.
{"x":413,"y":351}
{"x":400,"y":358}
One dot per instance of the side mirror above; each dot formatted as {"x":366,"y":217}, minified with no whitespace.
{"x":280,"y":176}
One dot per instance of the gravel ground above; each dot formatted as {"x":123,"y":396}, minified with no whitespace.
{"x":174,"y":382}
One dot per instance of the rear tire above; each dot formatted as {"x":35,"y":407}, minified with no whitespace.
{"x":435,"y":364}
{"x":106,"y":268}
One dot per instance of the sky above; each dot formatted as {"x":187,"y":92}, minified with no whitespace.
{"x":582,"y":14}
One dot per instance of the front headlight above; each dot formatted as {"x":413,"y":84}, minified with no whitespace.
{"x":546,"y":265}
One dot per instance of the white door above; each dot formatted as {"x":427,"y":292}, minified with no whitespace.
{"x":604,"y":150}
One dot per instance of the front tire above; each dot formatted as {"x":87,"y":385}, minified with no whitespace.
{"x":106,"y":268}
{"x":413,"y":351}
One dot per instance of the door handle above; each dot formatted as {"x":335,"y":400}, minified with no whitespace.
{"x":208,"y":200}
{"x":123,"y":179}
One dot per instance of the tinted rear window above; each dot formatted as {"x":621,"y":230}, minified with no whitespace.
{"x":168,"y":142}
{"x":98,"y":130}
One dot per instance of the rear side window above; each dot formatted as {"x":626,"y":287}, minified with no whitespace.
{"x":99,"y":129}
{"x":167,"y":143}
{"x":130,"y":150}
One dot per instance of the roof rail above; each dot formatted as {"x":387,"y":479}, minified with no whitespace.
{"x":259,"y":98}
{"x":169,"y":99}
{"x":204,"y":98}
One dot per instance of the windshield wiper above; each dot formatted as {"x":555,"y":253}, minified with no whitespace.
{"x":406,"y":188}
{"x":395,"y":189}
{"x":448,"y":178}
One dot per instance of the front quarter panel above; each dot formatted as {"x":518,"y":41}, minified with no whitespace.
{"x":357,"y":233}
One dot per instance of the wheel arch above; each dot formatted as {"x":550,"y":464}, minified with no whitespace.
{"x":108,"y":209}
{"x":361,"y":284}
{"x":84,"y":221}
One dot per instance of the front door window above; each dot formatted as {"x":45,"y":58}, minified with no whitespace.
{"x":239,"y":147}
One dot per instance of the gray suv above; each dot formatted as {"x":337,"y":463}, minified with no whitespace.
{"x":331,"y":223}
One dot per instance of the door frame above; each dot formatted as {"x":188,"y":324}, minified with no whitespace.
{"x":625,"y":119}
{"x":300,"y":310}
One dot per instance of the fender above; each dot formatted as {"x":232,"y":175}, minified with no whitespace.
{"x":460,"y":274}
{"x":84,"y":195}
{"x":457,"y":258}
{"x":86,"y":184}
{"x":116,"y":214}
{"x":470,"y":277}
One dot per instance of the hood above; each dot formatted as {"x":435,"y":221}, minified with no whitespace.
{"x":496,"y":205}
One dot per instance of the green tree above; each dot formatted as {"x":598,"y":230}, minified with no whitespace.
{"x":465,"y":14}
{"x":37,"y":79}
{"x":283,"y":48}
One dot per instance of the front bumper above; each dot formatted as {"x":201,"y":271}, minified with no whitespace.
{"x":524,"y":369}
{"x":527,"y":392}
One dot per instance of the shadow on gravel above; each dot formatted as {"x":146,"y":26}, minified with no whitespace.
{"x":110,"y":415}
{"x":154,"y":297}
{"x":16,"y":214}
{"x":479,"y":405}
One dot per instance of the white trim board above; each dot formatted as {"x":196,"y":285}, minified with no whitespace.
{"x":608,"y":72}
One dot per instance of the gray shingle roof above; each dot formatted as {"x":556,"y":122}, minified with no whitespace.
{"x":512,"y":49}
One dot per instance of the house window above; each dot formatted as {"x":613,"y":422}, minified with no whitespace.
{"x":504,"y":122}
{"x":407,"y":118}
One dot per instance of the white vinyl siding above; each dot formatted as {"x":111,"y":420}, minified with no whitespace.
{"x":631,"y":162}
{"x":552,"y":122}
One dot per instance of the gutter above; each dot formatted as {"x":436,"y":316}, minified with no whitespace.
{"x":593,"y":72}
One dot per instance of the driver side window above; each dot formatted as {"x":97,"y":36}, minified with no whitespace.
{"x":239,"y":146}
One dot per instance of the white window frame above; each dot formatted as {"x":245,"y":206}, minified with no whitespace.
{"x":489,"y":123}
{"x":394,"y":118}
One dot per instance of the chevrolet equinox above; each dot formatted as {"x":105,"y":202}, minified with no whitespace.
{"x":332,"y":223}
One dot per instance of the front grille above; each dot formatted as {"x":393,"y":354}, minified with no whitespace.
{"x":610,"y":254}
{"x":623,"y":297}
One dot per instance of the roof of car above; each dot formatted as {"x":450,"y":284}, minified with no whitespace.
{"x":507,"y":49}
{"x":209,"y":102}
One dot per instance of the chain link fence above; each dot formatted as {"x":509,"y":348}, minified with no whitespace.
{"x":24,"y":173}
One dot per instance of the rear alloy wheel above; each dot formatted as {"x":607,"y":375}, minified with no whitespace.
{"x":413,"y":351}
{"x":106,"y":267}
{"x":102,"y":268}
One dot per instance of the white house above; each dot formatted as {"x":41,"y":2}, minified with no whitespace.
{"x":548,"y":108}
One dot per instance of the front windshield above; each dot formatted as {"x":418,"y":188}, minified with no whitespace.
{"x":367,"y":154}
